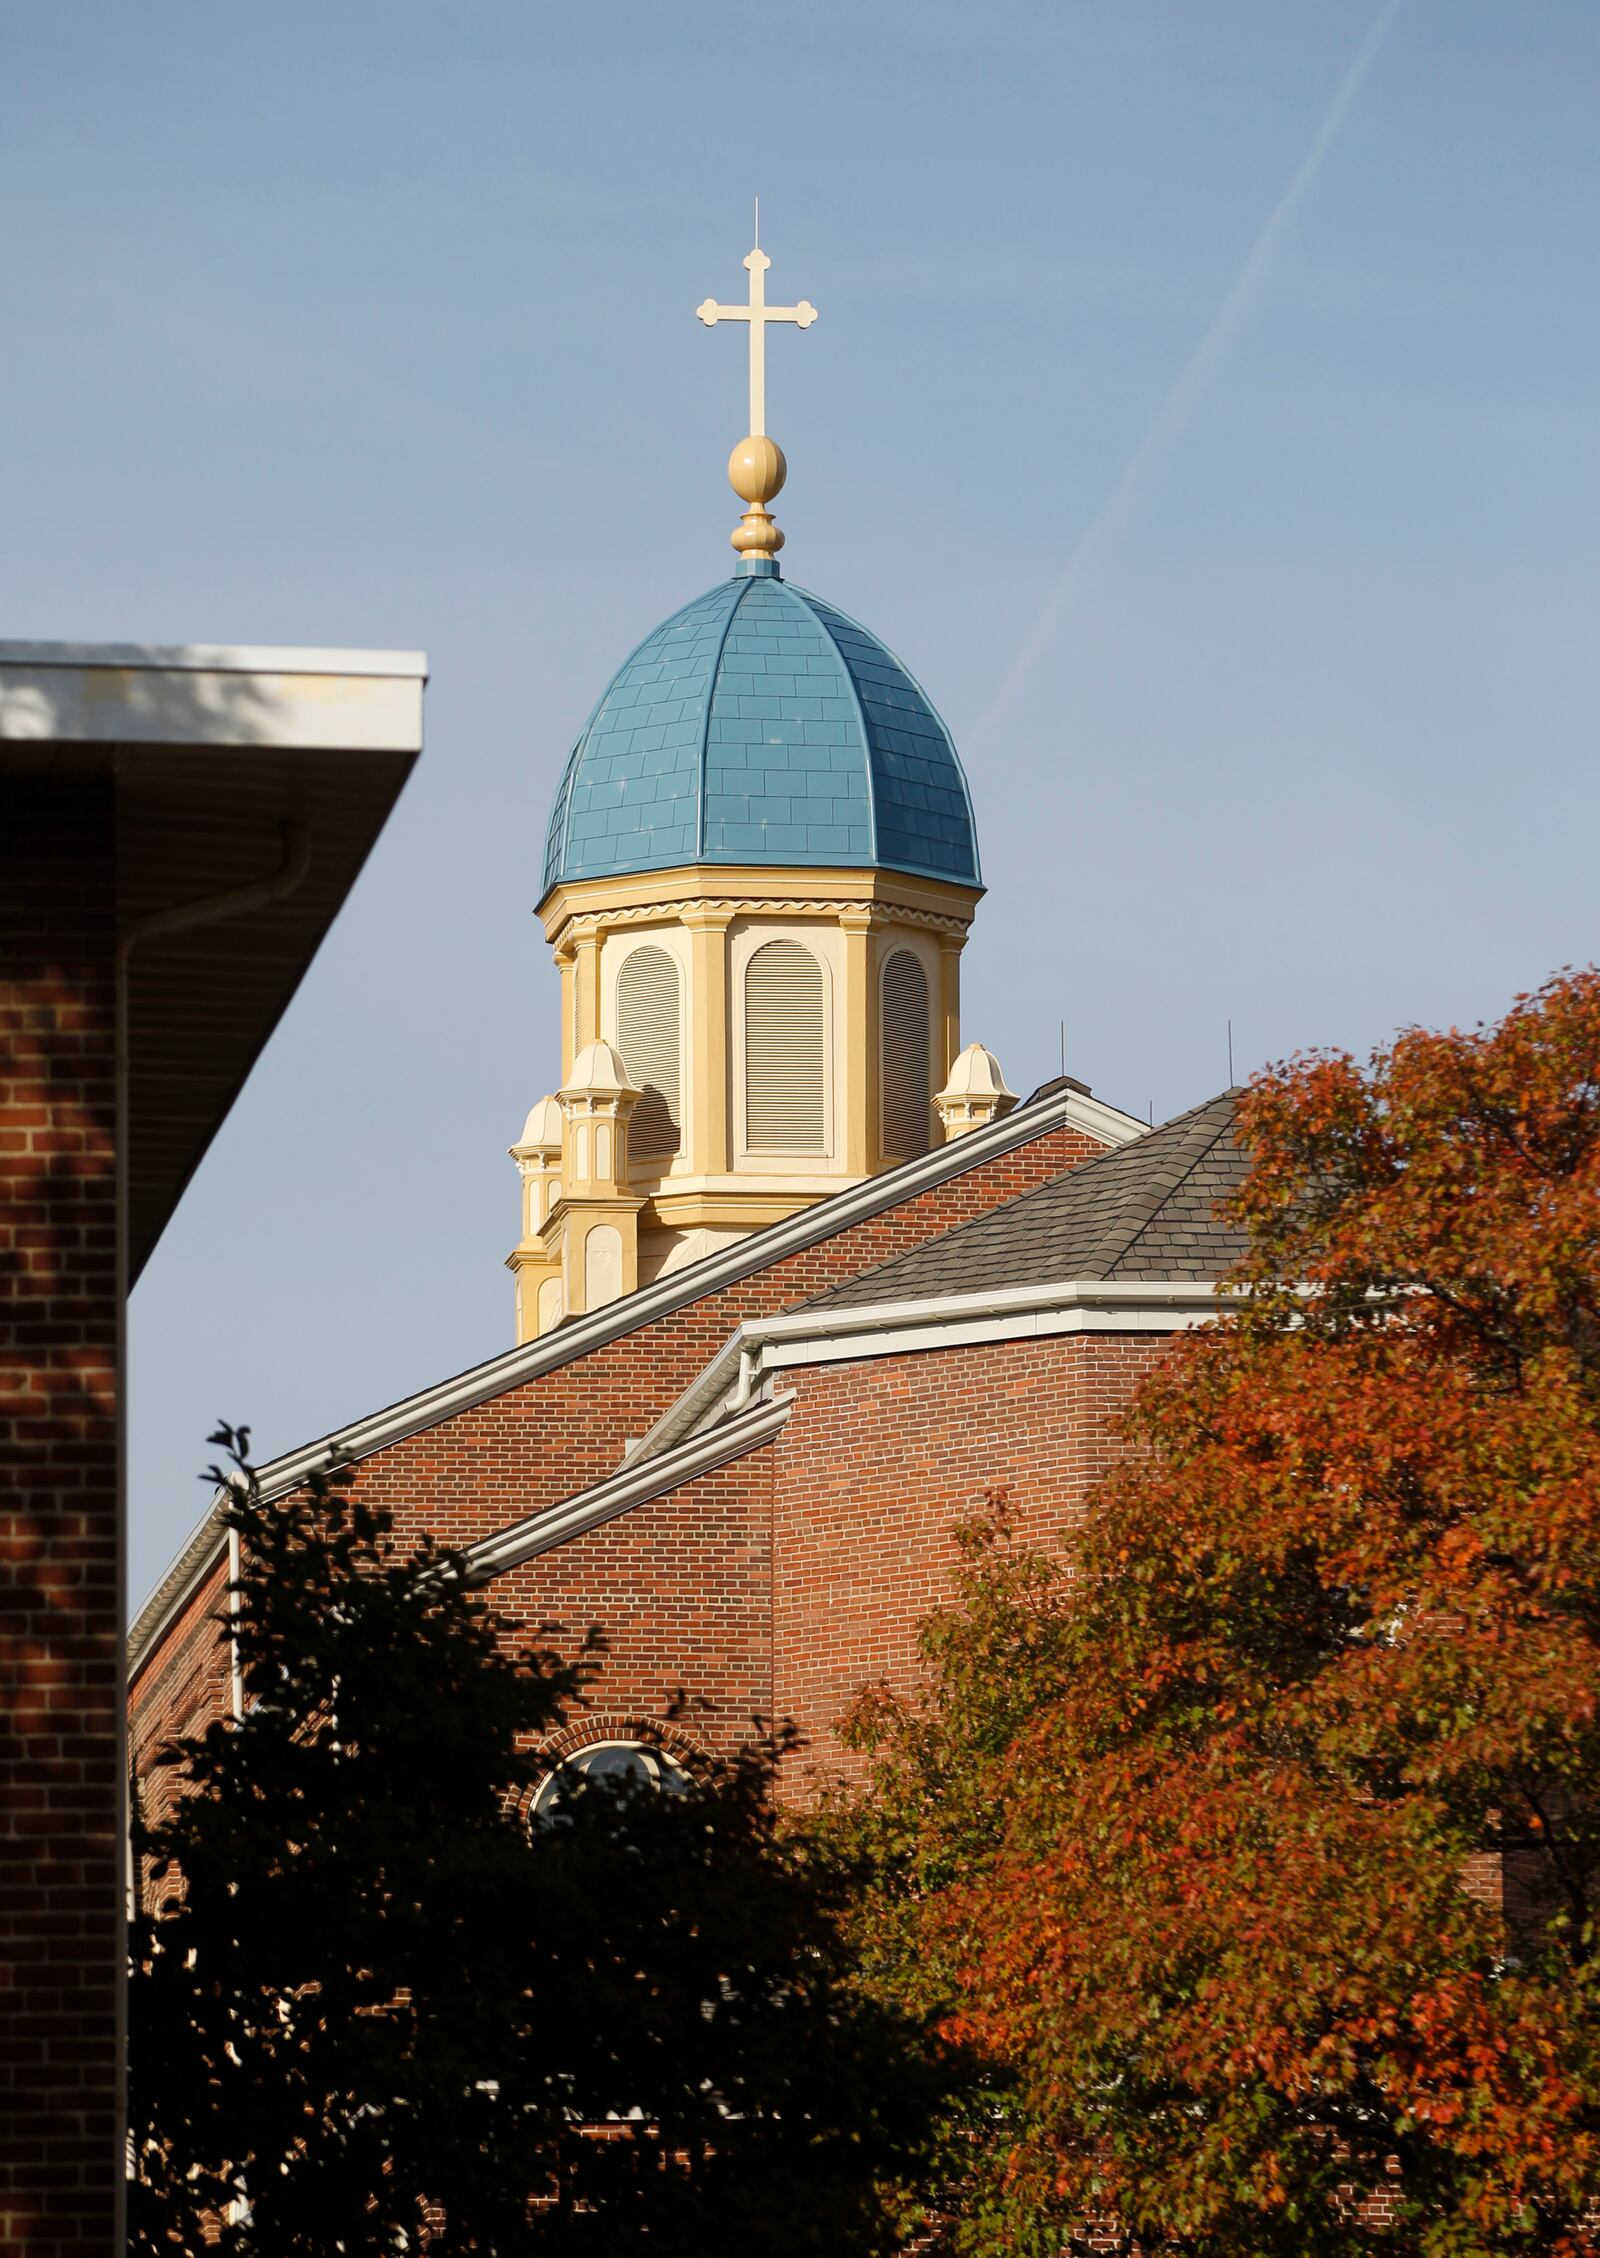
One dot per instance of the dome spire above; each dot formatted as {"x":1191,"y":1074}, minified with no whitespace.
{"x":756,"y":468}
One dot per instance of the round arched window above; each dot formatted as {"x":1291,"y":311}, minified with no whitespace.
{"x":625,"y":1765}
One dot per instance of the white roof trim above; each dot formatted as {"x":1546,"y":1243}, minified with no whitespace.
{"x":691,"y":1439}
{"x":216,"y":658}
{"x":555,"y":1524}
{"x":764,"y":1345}
{"x":580,"y":1335}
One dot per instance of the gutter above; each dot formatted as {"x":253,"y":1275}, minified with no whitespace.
{"x":764,"y":1345}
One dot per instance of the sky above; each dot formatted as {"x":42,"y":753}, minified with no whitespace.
{"x":1201,"y":403}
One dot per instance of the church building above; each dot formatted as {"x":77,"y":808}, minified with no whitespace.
{"x":798,"y":1282}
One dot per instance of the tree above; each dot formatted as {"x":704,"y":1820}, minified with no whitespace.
{"x":1270,"y":1895}
{"x":374,"y":2010}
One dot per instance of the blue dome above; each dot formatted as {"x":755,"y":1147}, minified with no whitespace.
{"x":759,"y":725}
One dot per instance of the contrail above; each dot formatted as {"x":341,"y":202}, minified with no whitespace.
{"x":1179,"y":405}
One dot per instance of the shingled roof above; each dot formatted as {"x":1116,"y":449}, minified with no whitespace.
{"x":1145,"y":1211}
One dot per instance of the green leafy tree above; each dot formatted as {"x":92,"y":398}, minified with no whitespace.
{"x":1255,"y":1842}
{"x":373,"y":2009}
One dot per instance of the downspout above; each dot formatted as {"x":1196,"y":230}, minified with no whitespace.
{"x":232,"y":901}
{"x":749,"y":1375}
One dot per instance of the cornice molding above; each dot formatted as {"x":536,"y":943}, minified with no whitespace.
{"x":591,"y":925}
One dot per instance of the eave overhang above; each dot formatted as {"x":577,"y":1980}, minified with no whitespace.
{"x":250,"y":786}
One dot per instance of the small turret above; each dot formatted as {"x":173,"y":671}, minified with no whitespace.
{"x":537,"y":1271}
{"x":593,"y":1227}
{"x":975,"y":1094}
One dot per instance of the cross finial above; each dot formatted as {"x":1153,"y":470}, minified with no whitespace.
{"x":756,"y":468}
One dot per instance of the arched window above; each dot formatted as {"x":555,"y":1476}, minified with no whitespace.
{"x":625,"y":1765}
{"x":784,"y":1078}
{"x":649,"y":1037}
{"x":907,"y":1081}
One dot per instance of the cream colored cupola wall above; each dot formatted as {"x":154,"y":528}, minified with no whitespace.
{"x":760,"y":872}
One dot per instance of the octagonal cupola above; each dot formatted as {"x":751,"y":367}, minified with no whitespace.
{"x":759,"y":871}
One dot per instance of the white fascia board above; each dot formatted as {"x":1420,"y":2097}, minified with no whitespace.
{"x":1007,"y":1313}
{"x":1112,"y":1298}
{"x":936,"y":1330}
{"x":1096,"y":1119}
{"x":213,"y":658}
{"x":279,"y":701}
{"x":580,"y":1336}
{"x":620,"y":1492}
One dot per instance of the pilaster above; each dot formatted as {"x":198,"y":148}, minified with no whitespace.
{"x":710,"y":1050}
{"x":950,"y":947}
{"x":860,"y":1030}
{"x":586,"y":976}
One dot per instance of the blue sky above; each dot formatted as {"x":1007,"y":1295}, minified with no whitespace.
{"x":374,"y":325}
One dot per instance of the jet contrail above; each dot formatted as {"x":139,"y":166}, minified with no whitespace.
{"x":1180,"y":403}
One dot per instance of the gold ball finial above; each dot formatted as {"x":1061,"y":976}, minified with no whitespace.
{"x":756,"y":472}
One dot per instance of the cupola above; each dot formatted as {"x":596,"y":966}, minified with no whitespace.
{"x":760,"y":869}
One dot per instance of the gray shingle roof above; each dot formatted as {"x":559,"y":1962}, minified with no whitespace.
{"x":1147,"y":1210}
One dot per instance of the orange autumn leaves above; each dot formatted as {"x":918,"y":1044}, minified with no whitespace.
{"x":1265,"y":1893}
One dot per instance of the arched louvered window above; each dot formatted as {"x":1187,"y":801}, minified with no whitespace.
{"x":784,"y":1077}
{"x":906,"y":1078}
{"x":649,"y":1037}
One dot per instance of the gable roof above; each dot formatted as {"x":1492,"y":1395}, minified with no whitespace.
{"x":1054,"y":1108}
{"x":1147,"y":1210}
{"x":1128,"y":1242}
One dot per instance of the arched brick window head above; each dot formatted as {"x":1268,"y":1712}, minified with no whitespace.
{"x":650,"y":1038}
{"x":633,"y":1766}
{"x":906,"y":1068}
{"x":784,"y":1074}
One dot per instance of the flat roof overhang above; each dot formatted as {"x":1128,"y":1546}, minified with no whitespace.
{"x":267,"y":771}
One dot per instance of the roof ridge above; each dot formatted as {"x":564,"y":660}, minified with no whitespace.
{"x":813,"y":608}
{"x":1199,"y":1139}
{"x":1076,"y":1174}
{"x":706,"y":704}
{"x":562,"y":811}
{"x":817,"y":605}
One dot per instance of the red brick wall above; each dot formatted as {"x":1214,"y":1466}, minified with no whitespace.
{"x":551,"y":1436}
{"x":879,"y":1462}
{"x":60,"y":1602}
{"x":784,"y":1583}
{"x":682,"y":1588}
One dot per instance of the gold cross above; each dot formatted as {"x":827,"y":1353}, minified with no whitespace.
{"x":758,"y":313}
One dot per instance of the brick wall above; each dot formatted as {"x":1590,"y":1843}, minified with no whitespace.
{"x":60,"y":1629}
{"x":551,"y":1436}
{"x":881,"y":1460}
{"x":784,"y":1583}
